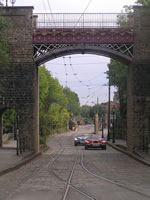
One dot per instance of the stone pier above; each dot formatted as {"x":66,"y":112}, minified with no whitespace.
{"x":19,"y":80}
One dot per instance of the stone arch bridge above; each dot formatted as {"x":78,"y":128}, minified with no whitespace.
{"x":37,"y":38}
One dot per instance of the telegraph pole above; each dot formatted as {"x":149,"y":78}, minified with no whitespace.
{"x":96,"y":119}
{"x":108,"y":134}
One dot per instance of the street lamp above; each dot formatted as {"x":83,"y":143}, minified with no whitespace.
{"x":113,"y":112}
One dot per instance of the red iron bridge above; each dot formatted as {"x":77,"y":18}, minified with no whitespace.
{"x":60,"y":34}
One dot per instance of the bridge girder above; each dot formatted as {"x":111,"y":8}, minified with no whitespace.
{"x":44,"y":53}
{"x":51,"y":43}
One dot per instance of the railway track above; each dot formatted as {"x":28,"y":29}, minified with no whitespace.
{"x":79,"y":156}
{"x":111,"y":181}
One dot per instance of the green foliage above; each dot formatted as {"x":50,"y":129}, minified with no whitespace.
{"x":118,"y":77}
{"x":98,"y":108}
{"x":85,"y":111}
{"x":73,"y":105}
{"x":125,"y":19}
{"x":53,"y":105}
{"x":144,"y":2}
{"x":8,"y":118}
{"x":50,"y":89}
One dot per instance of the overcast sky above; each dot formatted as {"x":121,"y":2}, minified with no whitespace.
{"x":75,"y":5}
{"x":84,"y":74}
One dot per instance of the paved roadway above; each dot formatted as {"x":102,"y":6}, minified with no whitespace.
{"x":66,"y":172}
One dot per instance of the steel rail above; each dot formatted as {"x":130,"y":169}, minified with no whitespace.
{"x":68,"y":182}
{"x":110,"y":181}
{"x":70,"y":177}
{"x":69,"y":185}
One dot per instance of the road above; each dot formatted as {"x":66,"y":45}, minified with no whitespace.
{"x":66,"y":172}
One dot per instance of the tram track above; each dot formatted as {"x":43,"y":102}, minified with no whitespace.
{"x":68,"y":181}
{"x":66,"y":172}
{"x":111,"y":181}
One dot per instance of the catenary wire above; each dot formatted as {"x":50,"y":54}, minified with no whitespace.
{"x":44,"y":6}
{"x":90,"y":86}
{"x":65,"y":72}
{"x":83,"y":12}
{"x":48,"y":1}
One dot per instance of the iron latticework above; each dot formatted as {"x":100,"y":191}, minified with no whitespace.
{"x":45,"y":52}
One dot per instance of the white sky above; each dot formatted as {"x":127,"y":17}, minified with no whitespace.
{"x":89,"y":80}
{"x":75,"y":5}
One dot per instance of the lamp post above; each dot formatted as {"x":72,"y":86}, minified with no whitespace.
{"x":113,"y":112}
{"x":102,"y":127}
{"x":108,"y":134}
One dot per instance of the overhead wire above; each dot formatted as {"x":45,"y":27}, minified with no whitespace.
{"x":66,"y":74}
{"x":83,"y":12}
{"x":84,"y":63}
{"x":90,"y":86}
{"x":44,"y":6}
{"x":45,"y":19}
{"x":76,"y":76}
{"x":50,"y":8}
{"x":66,"y":83}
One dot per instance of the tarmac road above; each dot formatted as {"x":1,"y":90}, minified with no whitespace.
{"x":66,"y":172}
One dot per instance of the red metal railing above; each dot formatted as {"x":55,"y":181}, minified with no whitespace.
{"x":80,"y":20}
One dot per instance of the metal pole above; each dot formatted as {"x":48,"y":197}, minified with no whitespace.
{"x":113,"y":140}
{"x":17,"y":137}
{"x":97,"y":105}
{"x":108,"y":134}
{"x":102,"y":128}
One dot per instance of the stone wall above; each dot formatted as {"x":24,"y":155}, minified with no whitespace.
{"x":19,"y":82}
{"x":139,"y":82}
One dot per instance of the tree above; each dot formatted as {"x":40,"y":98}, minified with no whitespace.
{"x":50,"y":89}
{"x":85,"y":111}
{"x":53,"y":105}
{"x":98,"y":108}
{"x":143,"y":2}
{"x":73,"y":105}
{"x":9,"y":118}
{"x":118,"y":77}
{"x":125,"y":19}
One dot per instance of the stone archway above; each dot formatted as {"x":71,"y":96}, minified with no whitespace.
{"x":8,"y":127}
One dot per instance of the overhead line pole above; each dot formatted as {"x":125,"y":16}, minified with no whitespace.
{"x":108,"y":134}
